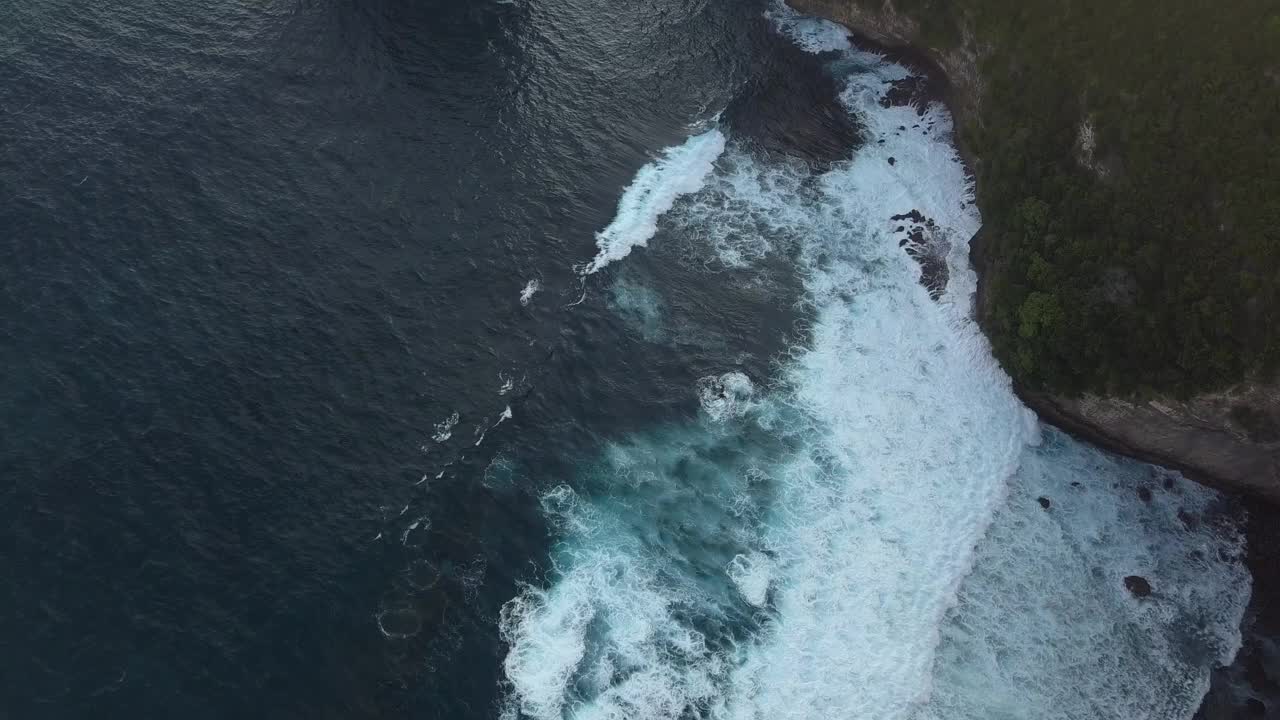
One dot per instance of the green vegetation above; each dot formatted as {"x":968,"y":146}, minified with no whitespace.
{"x":1146,"y":260}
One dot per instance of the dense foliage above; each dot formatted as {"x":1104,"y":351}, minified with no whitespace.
{"x":1129,"y":180}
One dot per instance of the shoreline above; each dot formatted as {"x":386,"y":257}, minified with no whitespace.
{"x":1250,"y":685}
{"x":938,"y":88}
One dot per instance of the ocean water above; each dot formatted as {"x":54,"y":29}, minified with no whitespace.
{"x":537,"y":359}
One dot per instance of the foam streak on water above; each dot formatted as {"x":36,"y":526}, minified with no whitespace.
{"x":828,"y":549}
{"x":679,"y":171}
{"x":812,"y":34}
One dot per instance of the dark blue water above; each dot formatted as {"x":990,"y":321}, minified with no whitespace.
{"x":255,"y":251}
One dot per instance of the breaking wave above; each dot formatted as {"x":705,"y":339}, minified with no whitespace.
{"x":656,"y":187}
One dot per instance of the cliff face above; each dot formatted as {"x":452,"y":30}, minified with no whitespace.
{"x":1228,"y":438}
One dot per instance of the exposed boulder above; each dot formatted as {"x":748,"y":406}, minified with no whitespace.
{"x":1137,"y":585}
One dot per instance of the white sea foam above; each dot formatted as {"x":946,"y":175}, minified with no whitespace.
{"x":874,"y":525}
{"x":654,"y":190}
{"x":822,"y":550}
{"x":747,"y":210}
{"x":529,"y":290}
{"x":483,"y":431}
{"x":811,"y":34}
{"x":444,"y":428}
{"x":612,"y":637}
{"x":752,"y":573}
{"x":500,"y":473}
{"x":1045,"y":627}
{"x":725,"y":396}
{"x":607,"y":630}
{"x":423,"y":522}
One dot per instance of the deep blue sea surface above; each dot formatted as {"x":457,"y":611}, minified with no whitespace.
{"x":533,"y":358}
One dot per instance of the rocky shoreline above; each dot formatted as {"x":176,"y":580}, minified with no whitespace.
{"x":1250,"y":686}
{"x":1228,"y":439}
{"x":1247,"y":471}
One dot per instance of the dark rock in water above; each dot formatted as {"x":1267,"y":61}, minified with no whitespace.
{"x":1144,"y":494}
{"x":892,"y":161}
{"x":933,"y":274}
{"x":928,"y":246}
{"x":1075,"y":483}
{"x":1137,"y":585}
{"x":916,"y":91}
{"x":1044,"y":502}
{"x":1168,"y":483}
{"x":1255,"y":707}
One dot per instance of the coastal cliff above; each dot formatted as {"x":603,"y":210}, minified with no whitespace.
{"x":1222,"y":428}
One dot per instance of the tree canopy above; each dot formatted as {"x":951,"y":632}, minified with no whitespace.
{"x":1129,"y":181}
